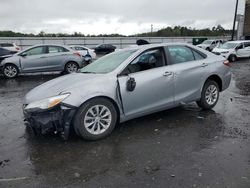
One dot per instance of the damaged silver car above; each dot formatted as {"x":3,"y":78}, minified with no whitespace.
{"x":126,"y":84}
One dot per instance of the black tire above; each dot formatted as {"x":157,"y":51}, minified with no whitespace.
{"x":84,"y":113}
{"x":71,"y":67}
{"x":204,"y":101}
{"x":10,"y":71}
{"x":232,"y":58}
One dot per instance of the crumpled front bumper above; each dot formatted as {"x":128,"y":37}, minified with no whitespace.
{"x":57,"y":120}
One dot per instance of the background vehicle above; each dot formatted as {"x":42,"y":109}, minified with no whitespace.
{"x":104,"y":48}
{"x":124,"y":85}
{"x":42,"y":58}
{"x":10,"y":46}
{"x":5,"y":53}
{"x":87,"y":53}
{"x":233,"y":50}
{"x":209,"y":45}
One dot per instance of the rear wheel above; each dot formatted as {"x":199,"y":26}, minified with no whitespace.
{"x":10,"y":71}
{"x":95,"y":119}
{"x":71,"y":67}
{"x":209,"y":95}
{"x":232,"y":58}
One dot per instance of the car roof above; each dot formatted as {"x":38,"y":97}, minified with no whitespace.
{"x":146,"y":46}
{"x":60,"y":45}
{"x":238,"y":41}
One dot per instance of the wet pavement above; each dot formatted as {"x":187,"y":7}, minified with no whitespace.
{"x":181,"y":147}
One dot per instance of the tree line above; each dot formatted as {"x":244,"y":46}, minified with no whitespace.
{"x":177,"y":31}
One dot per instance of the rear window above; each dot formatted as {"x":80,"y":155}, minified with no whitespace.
{"x":6,"y":45}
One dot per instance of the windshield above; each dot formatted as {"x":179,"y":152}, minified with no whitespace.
{"x":108,"y":63}
{"x":207,"y":42}
{"x":228,"y":45}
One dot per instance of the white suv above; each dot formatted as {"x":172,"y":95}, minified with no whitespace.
{"x":233,"y":50}
{"x":209,"y":45}
{"x":10,"y":46}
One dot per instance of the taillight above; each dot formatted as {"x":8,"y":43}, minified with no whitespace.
{"x":17,"y":48}
{"x":227,"y":63}
{"x":77,"y":53}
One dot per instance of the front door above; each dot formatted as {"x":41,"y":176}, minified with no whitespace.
{"x":146,"y":85}
{"x":34,"y":60}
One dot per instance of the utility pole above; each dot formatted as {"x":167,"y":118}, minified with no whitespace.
{"x":235,"y":15}
{"x":151,"y":30}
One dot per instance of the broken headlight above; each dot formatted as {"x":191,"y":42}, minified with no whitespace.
{"x":47,"y":103}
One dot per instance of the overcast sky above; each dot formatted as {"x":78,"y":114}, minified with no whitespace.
{"x":113,"y":16}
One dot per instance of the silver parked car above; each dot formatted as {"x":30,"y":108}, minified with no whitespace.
{"x":124,"y":85}
{"x":42,"y":58}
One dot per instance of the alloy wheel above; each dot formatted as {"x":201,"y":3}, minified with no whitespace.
{"x":71,"y":67}
{"x":211,"y":94}
{"x":10,"y":71}
{"x":97,"y":119}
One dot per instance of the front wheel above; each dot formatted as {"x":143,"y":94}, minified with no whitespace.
{"x":232,"y":58}
{"x":209,"y":95}
{"x":95,"y":119}
{"x":71,"y":67}
{"x":10,"y":71}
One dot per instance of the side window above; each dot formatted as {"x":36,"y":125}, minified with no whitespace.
{"x":213,"y":42}
{"x":241,"y":46}
{"x":247,"y":44}
{"x":56,"y":49}
{"x":197,"y":55}
{"x":36,"y":51}
{"x":147,"y":60}
{"x":180,"y":54}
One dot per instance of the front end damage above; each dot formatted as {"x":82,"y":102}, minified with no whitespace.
{"x":57,"y":120}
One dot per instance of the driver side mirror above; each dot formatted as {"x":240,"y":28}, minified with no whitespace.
{"x":24,"y":54}
{"x":131,"y":84}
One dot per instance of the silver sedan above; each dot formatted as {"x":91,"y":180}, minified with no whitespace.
{"x":124,"y":85}
{"x":42,"y":58}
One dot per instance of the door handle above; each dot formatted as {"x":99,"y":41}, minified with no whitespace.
{"x":204,"y":65}
{"x":167,"y":73}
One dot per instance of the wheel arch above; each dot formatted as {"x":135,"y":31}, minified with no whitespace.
{"x":116,"y":105}
{"x":71,"y":61}
{"x":217,"y":79}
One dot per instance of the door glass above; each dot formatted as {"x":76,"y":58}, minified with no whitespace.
{"x":147,"y":60}
{"x":247,"y":44}
{"x":240,"y":47}
{"x":198,"y":56}
{"x":35,"y":51}
{"x":56,"y":49}
{"x":180,"y":54}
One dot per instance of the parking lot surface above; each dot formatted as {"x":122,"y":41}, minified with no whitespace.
{"x":181,"y":147}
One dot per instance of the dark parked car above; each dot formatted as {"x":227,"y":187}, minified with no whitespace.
{"x":104,"y":48}
{"x":4,"y":53}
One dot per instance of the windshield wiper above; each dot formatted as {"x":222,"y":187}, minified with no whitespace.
{"x":87,"y":72}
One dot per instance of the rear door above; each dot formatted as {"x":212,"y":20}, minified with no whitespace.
{"x":56,"y":56}
{"x":152,"y":81}
{"x":189,"y":68}
{"x":34,"y":60}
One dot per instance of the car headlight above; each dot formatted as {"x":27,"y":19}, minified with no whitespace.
{"x":47,"y":103}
